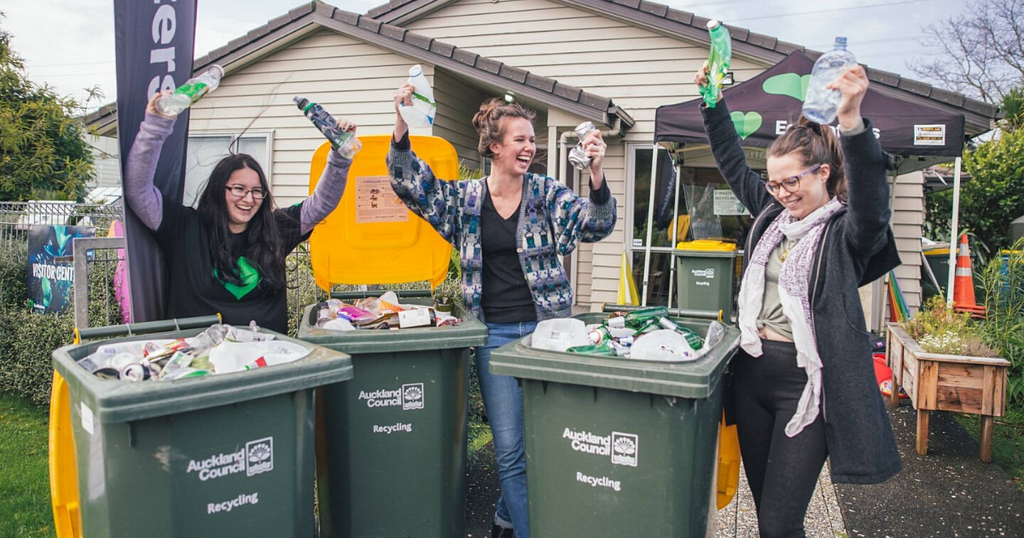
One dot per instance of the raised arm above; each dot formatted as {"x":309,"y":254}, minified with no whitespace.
{"x":139,"y":191}
{"x":867,"y":190}
{"x":728,"y":153}
{"x":434,"y":200}
{"x":330,"y":188}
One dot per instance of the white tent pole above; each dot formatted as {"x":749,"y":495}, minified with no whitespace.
{"x":675,"y":233}
{"x":650,"y":220}
{"x":954,"y":231}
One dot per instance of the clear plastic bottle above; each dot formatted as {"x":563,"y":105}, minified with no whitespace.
{"x":342,"y":141}
{"x":421,"y":113}
{"x":719,"y":57}
{"x":577,"y":156}
{"x":821,"y":105}
{"x":191,"y":91}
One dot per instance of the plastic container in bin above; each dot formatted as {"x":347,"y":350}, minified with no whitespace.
{"x":704,"y":273}
{"x":618,"y":447}
{"x":391,"y":443}
{"x":218,"y":455}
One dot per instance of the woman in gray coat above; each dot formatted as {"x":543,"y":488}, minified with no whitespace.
{"x":803,"y":385}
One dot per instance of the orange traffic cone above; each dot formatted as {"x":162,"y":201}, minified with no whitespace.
{"x":963,"y":280}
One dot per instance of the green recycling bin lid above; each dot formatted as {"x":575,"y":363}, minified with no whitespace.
{"x":115,"y":401}
{"x":695,"y":379}
{"x":470,"y":332}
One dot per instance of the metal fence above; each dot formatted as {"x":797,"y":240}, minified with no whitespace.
{"x":17,"y":218}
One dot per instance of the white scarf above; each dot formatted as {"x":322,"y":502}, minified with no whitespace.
{"x":793,"y":294}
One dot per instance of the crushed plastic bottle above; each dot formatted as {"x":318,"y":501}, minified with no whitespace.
{"x":719,"y":57}
{"x":342,"y":141}
{"x":821,"y":105}
{"x":191,"y":91}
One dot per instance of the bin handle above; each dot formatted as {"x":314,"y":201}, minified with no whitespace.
{"x":63,"y":470}
{"x":675,"y":312}
{"x":146,"y":327}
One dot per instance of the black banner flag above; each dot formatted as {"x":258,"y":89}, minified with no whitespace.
{"x":154,"y":48}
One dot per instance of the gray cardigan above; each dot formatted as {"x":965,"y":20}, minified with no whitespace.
{"x":857,"y":247}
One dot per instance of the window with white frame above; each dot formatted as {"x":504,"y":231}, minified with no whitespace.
{"x":206,"y":150}
{"x":690,"y":203}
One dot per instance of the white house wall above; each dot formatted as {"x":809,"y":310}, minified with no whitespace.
{"x":638,"y":69}
{"x":348,"y":78}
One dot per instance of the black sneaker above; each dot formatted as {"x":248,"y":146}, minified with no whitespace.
{"x":497,"y":531}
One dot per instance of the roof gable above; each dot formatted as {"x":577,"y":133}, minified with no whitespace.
{"x":303,"y":20}
{"x":979,"y":116}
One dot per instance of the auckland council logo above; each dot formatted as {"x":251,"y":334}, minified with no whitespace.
{"x":259,"y":456}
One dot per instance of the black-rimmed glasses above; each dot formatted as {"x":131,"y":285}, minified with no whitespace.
{"x":239,"y":191}
{"x":791,"y":183}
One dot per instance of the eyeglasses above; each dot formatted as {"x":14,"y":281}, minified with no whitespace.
{"x":791,"y":183}
{"x":239,"y":191}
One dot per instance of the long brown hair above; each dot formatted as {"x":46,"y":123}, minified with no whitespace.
{"x":815,"y":144}
{"x":487,"y":122}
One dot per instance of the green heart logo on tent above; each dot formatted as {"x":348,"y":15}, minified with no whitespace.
{"x":249,"y":275}
{"x":746,"y":123}
{"x":790,"y":84}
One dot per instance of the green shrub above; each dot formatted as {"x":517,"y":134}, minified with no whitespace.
{"x":27,"y":341}
{"x":13,"y":274}
{"x":1004,"y":326}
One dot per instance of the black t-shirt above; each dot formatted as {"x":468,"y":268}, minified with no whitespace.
{"x":505,"y":297}
{"x":194,"y":290}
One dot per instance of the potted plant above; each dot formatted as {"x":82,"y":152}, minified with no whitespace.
{"x":446,"y":294}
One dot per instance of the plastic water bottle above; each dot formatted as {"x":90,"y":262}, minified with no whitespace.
{"x":821,"y":105}
{"x":191,"y":91}
{"x":342,"y":141}
{"x":421,"y":113}
{"x":718,"y":62}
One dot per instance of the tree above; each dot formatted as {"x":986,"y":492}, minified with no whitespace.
{"x":982,"y":50}
{"x":991,"y":199}
{"x":42,"y":152}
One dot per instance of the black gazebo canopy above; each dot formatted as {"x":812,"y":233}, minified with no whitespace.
{"x":762,"y":107}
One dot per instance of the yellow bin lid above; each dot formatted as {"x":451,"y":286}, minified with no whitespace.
{"x":712,"y":245}
{"x":937,"y":252}
{"x":372,"y":237}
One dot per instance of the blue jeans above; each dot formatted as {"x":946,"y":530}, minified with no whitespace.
{"x":503,"y":400}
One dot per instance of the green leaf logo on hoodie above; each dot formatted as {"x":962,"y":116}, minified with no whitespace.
{"x":789,"y":84}
{"x":746,"y":123}
{"x":247,"y":273}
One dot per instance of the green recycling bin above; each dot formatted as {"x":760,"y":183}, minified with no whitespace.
{"x":218,"y":455}
{"x":704,"y":275}
{"x":618,"y":447}
{"x":391,"y":443}
{"x":938,"y":262}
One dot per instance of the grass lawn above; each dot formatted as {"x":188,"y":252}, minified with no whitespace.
{"x":1007,"y":440}
{"x":24,"y":476}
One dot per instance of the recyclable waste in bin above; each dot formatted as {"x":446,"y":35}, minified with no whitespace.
{"x":391,"y":443}
{"x":167,"y":451}
{"x":624,"y":444}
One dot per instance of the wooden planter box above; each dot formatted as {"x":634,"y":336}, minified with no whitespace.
{"x":936,"y":382}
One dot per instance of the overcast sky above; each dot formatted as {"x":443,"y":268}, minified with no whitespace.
{"x":69,"y":44}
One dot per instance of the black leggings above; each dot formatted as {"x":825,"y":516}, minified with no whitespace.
{"x":782,"y":471}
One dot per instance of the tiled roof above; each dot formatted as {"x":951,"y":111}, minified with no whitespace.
{"x":423,"y":48}
{"x":683,"y":24}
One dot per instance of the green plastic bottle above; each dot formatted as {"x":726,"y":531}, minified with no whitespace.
{"x":718,"y":62}
{"x":639,"y":318}
{"x":604,"y":349}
